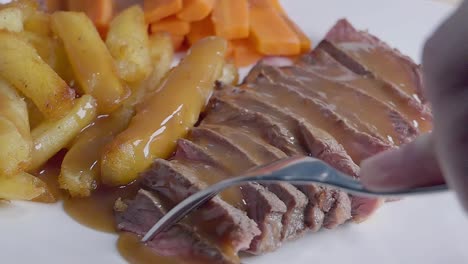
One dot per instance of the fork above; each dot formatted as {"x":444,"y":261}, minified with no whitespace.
{"x":296,"y":170}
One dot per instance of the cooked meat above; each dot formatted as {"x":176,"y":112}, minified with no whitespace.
{"x":180,"y":240}
{"x":175,"y":182}
{"x":350,"y":72}
{"x":350,"y":98}
{"x":377,"y":58}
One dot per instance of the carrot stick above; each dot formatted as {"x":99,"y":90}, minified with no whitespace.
{"x":304,"y":40}
{"x":99,"y":11}
{"x":171,"y":25}
{"x":244,"y":53}
{"x":200,"y":29}
{"x":231,"y":19}
{"x":271,"y":34}
{"x":195,"y":10}
{"x":158,"y":9}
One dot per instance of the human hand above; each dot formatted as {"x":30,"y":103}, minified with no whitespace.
{"x":440,"y":156}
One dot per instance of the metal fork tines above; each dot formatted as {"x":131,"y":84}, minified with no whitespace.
{"x":297,"y":170}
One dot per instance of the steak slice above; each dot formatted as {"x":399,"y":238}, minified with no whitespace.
{"x":223,"y":112}
{"x":357,"y":144}
{"x":322,"y":145}
{"x":181,"y":240}
{"x":331,"y":62}
{"x":382,"y":122}
{"x":176,"y":182}
{"x":377,"y":57}
{"x":261,"y":152}
{"x":249,"y":100}
{"x":265,"y":208}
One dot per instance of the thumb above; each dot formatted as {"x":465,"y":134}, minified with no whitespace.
{"x":412,"y":165}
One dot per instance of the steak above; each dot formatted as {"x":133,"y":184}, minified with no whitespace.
{"x":141,"y":213}
{"x":350,"y":98}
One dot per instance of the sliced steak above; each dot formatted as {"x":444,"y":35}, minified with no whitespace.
{"x":357,"y":144}
{"x":331,"y":62}
{"x":324,"y":146}
{"x":175,"y":182}
{"x":181,"y":240}
{"x":261,"y":152}
{"x":377,"y":57}
{"x":382,"y":122}
{"x":251,"y":101}
{"x":223,"y":112}
{"x":264,"y":207}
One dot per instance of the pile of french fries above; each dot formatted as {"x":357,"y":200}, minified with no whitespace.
{"x":115,"y":104}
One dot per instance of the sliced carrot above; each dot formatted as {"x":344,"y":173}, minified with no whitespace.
{"x":158,"y":9}
{"x":244,"y":53}
{"x":195,"y":10}
{"x":231,"y":18}
{"x":305,"y":41}
{"x":271,"y":34}
{"x":100,"y":11}
{"x":200,"y":29}
{"x":267,"y":3}
{"x":172,"y":25}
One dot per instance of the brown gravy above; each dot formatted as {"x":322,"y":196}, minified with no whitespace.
{"x":96,"y":212}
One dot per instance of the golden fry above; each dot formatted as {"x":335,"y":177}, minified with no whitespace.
{"x":24,"y":186}
{"x":165,"y":116}
{"x":91,"y":62}
{"x":14,"y":108}
{"x":230,"y":74}
{"x":162,"y":55}
{"x":21,"y":66}
{"x":127,"y":41}
{"x":39,"y":23}
{"x":11,"y":19}
{"x":50,"y":137}
{"x":81,"y":165}
{"x":16,"y":151}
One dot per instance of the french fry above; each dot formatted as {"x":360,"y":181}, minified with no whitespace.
{"x":81,"y":166}
{"x":99,"y":11}
{"x":16,"y":151}
{"x":165,"y":116}
{"x":24,"y":186}
{"x":127,"y":41}
{"x":11,"y":19}
{"x":162,"y":54}
{"x":50,"y":137}
{"x":21,"y":66}
{"x":230,"y":74}
{"x":14,"y":108}
{"x":15,"y":136}
{"x":35,"y":116}
{"x":38,"y":23}
{"x":91,"y":62}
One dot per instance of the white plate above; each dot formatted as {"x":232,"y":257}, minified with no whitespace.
{"x":427,"y":230}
